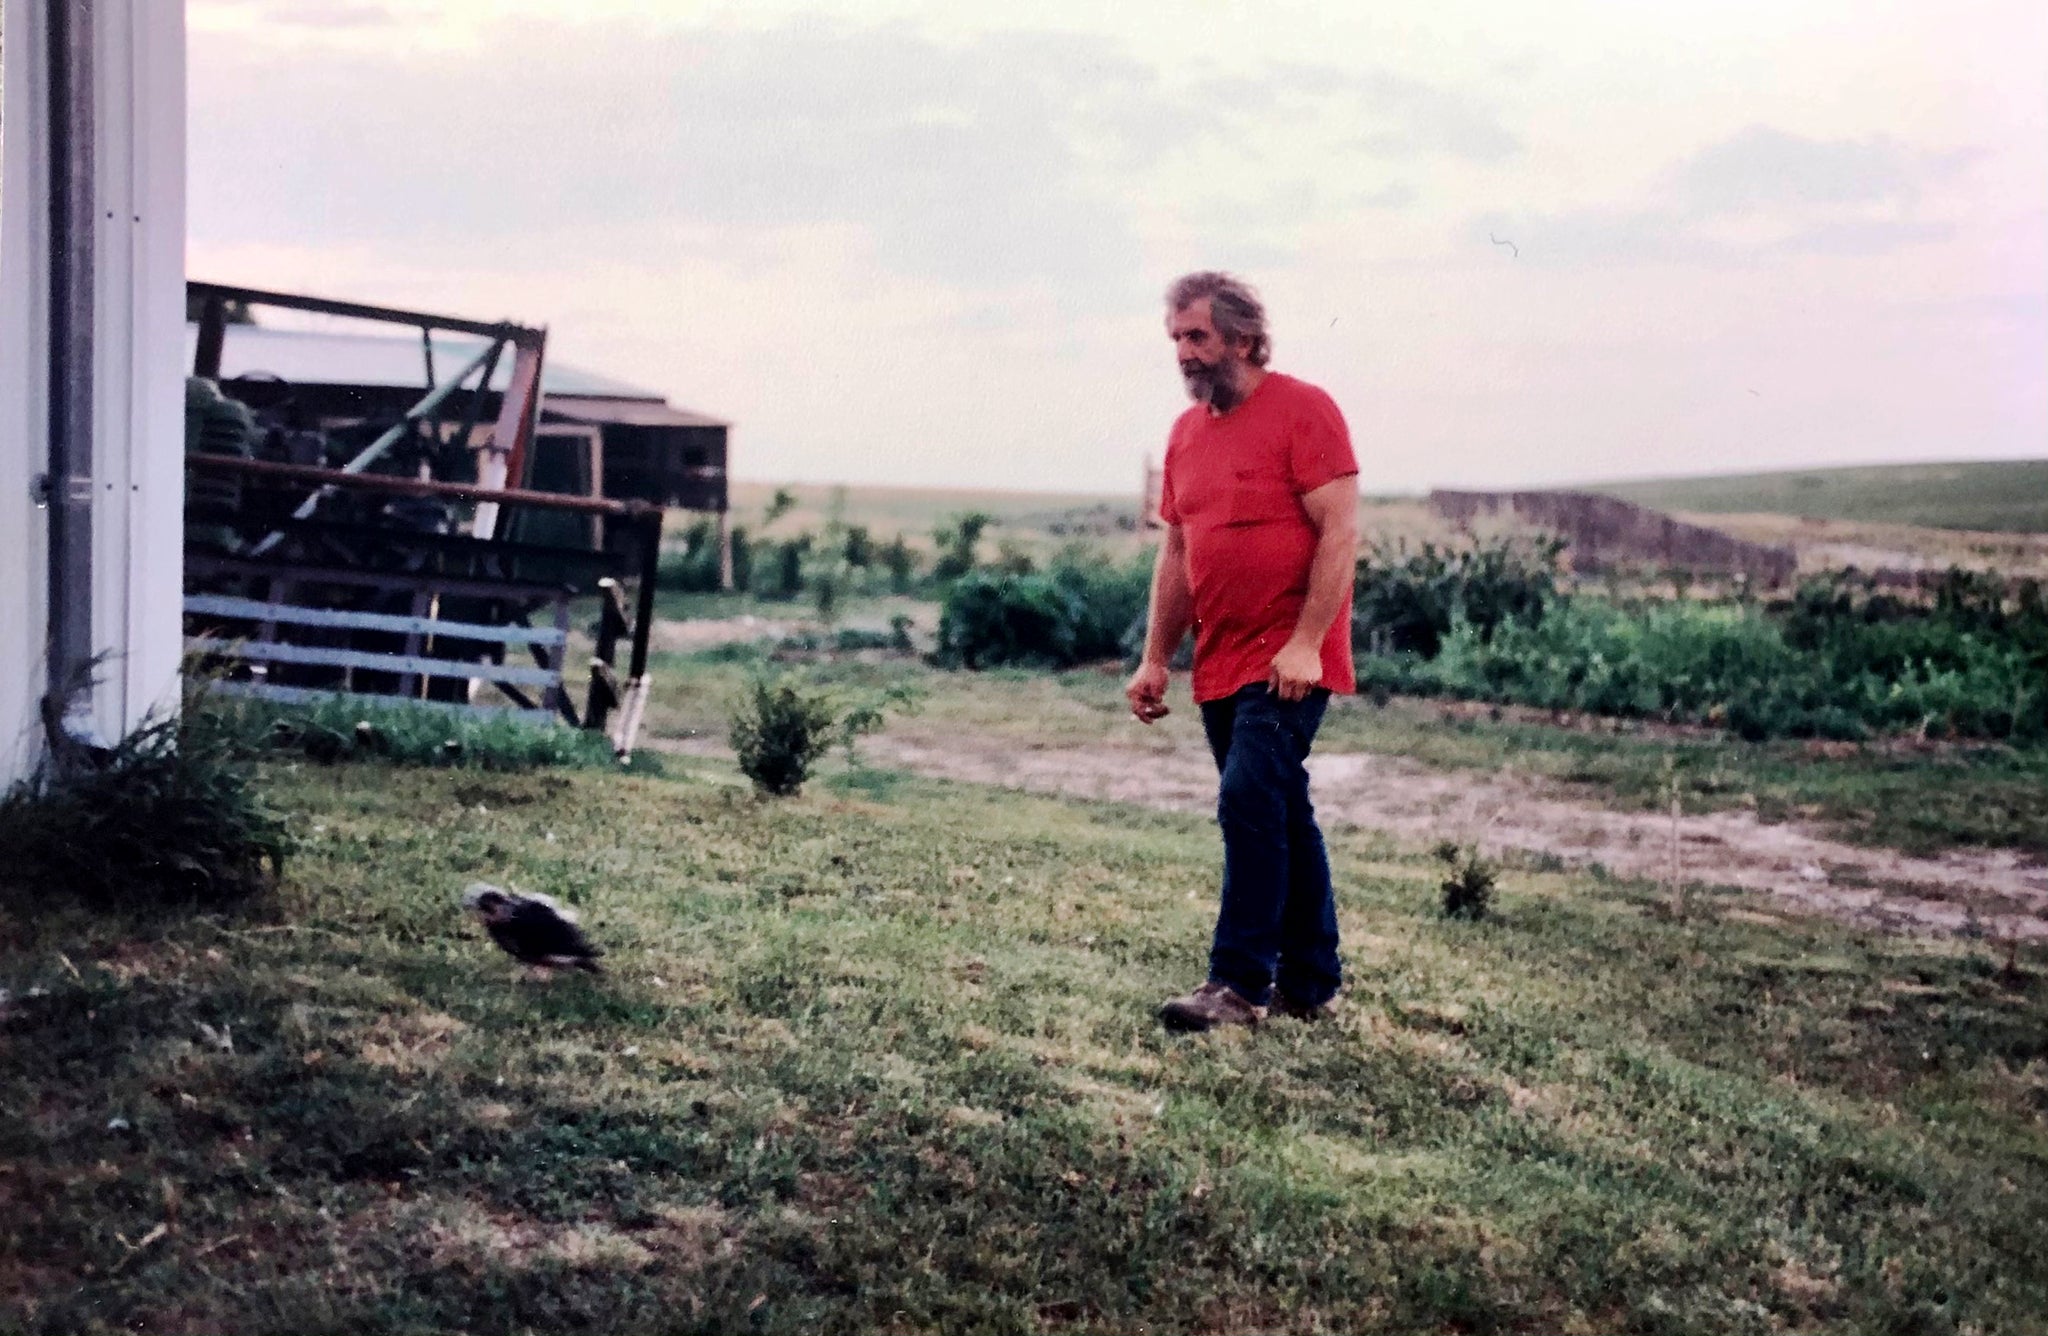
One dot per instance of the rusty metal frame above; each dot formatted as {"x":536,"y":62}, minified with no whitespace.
{"x":501,"y":459}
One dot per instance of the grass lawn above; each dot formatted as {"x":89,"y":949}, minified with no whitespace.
{"x":882,"y":1058}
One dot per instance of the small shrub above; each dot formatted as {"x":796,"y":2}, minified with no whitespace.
{"x":1468,"y":884}
{"x":957,"y":540}
{"x":901,"y":562}
{"x":896,"y":638}
{"x":694,"y":568}
{"x":167,"y":817}
{"x":783,"y":727}
{"x":781,"y":574}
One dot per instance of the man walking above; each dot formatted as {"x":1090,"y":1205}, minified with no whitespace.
{"x":1260,"y":503}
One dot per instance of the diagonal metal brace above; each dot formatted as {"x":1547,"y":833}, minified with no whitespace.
{"x":369,"y":454}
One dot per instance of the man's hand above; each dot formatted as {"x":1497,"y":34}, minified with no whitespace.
{"x":1147,"y":692}
{"x":1296,"y":670}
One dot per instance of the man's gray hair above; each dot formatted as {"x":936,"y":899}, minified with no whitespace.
{"x":1234,"y":308}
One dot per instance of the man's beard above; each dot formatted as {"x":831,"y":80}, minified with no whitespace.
{"x":1215,"y":386}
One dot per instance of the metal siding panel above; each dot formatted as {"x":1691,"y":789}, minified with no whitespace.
{"x":113,"y":358}
{"x":157,"y":448}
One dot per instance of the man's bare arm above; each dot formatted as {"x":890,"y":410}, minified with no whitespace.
{"x":1173,"y":603}
{"x":1172,"y":612}
{"x":1333,"y":513}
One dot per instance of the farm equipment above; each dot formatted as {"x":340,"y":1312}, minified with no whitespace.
{"x":391,"y":553}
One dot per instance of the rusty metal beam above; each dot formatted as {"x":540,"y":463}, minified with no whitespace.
{"x":383,"y":482}
{"x":292,"y":301}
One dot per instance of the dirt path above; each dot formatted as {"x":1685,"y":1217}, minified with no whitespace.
{"x":2006,"y":893}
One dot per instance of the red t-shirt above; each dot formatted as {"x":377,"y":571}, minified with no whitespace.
{"x":1233,"y":484}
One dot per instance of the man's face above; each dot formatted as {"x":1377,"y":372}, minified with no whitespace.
{"x":1208,"y":362}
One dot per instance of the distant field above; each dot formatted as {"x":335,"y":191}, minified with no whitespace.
{"x":1042,"y":521}
{"x":2007,"y":496}
{"x":916,"y":510}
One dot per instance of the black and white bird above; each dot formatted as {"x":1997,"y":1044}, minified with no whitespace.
{"x":532,"y":929}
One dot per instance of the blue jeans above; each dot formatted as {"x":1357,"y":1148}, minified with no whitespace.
{"x":1278,"y":922}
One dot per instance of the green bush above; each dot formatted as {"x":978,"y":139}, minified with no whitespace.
{"x":1077,"y":611}
{"x":783,"y":726}
{"x":694,"y":568}
{"x":780,"y":575}
{"x":957,"y":540}
{"x":898,"y":558}
{"x":859,"y":547}
{"x":1408,"y":602}
{"x":170,"y":816}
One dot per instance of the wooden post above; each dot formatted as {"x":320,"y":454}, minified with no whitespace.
{"x":724,"y":552}
{"x":605,"y":693}
{"x":213,"y":334}
{"x":643,"y":628}
{"x":501,"y":462}
{"x":422,"y":607}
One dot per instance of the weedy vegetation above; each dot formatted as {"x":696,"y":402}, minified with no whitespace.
{"x":168,"y":817}
{"x":1837,"y":661}
{"x":1082,"y":609}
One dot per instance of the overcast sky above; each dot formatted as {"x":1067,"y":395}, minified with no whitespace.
{"x":925,"y":243}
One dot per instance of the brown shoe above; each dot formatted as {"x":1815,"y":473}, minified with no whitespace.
{"x":1283,"y":1005}
{"x":1209,"y":1006}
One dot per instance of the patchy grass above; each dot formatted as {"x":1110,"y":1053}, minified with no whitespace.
{"x":882,"y":1058}
{"x":344,"y":727}
{"x":1918,"y":800}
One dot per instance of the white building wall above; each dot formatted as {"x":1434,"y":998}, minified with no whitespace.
{"x":24,"y":377}
{"x":138,"y":399}
{"x":139,"y":410}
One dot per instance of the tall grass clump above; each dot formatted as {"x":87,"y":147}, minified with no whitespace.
{"x":169,"y":816}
